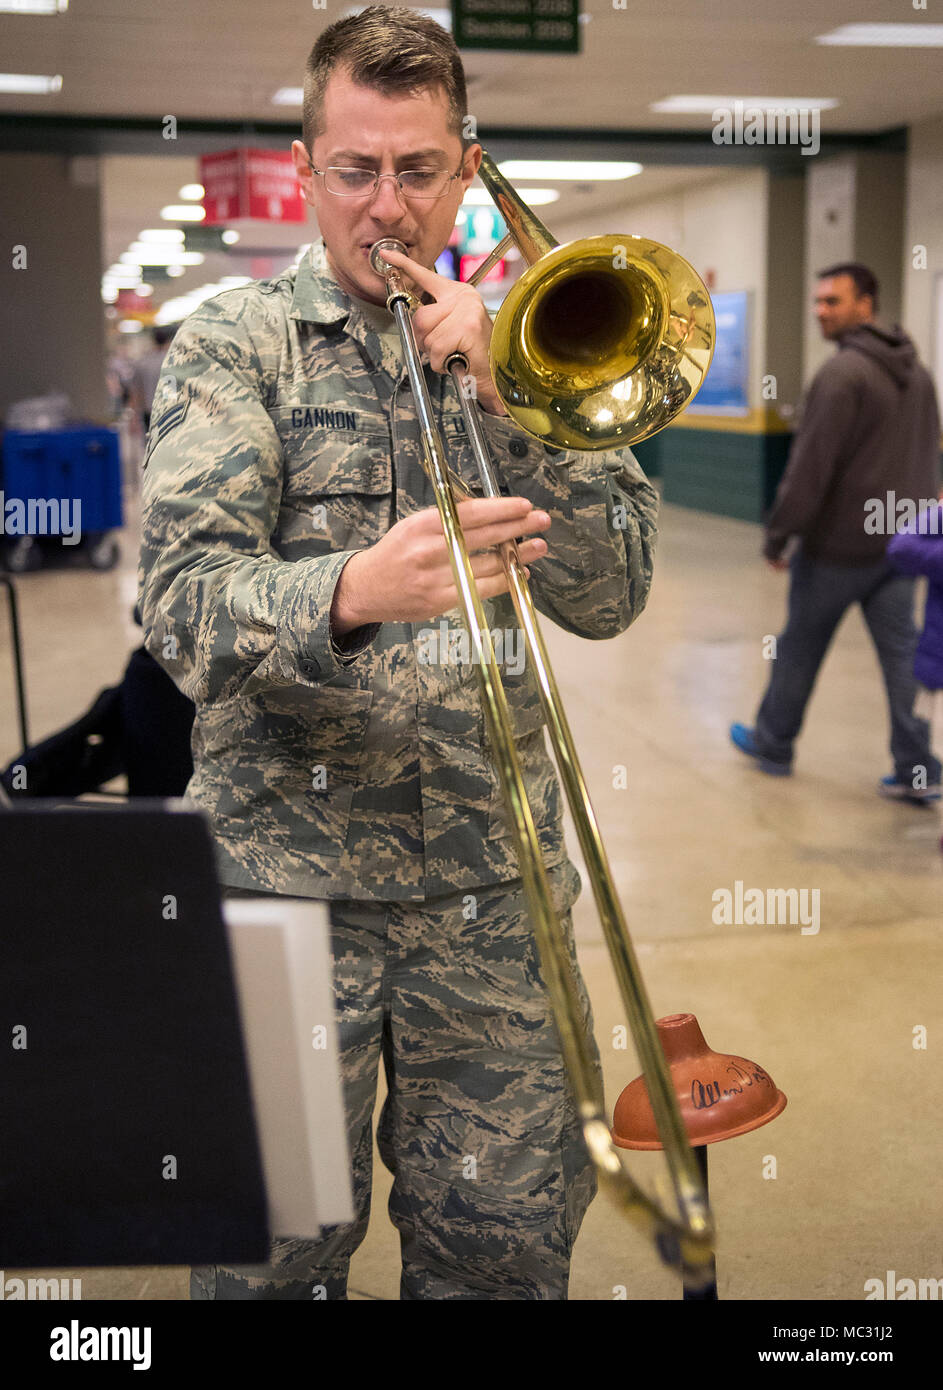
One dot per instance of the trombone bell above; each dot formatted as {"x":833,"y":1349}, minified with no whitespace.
{"x":602,"y":342}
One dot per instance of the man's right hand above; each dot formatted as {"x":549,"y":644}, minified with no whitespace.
{"x":406,"y":577}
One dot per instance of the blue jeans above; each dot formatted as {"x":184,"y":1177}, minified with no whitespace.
{"x":819,"y":595}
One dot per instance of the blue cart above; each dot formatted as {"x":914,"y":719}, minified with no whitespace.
{"x":60,"y":483}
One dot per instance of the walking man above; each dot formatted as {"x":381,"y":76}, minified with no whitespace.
{"x":868,"y":440}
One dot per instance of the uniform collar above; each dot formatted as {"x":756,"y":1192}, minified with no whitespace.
{"x":317,"y":297}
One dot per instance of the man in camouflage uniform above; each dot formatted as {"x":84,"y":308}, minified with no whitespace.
{"x":295,"y":583}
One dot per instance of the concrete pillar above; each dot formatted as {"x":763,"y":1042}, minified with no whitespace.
{"x":922,"y":259}
{"x":879,"y":221}
{"x":854,"y":212}
{"x":54,"y":327}
{"x":782,"y":327}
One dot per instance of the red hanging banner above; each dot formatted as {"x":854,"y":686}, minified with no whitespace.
{"x":261,"y":184}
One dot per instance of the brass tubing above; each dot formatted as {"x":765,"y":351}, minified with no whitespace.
{"x":686,"y":1245}
{"x":694,"y":1234}
{"x":532,"y":237}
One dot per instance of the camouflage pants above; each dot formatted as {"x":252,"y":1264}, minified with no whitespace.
{"x":490,"y":1176}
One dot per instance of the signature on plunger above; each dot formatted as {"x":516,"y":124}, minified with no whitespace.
{"x":706,"y":1094}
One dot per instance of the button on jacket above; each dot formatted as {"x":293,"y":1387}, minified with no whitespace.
{"x":283,"y":440}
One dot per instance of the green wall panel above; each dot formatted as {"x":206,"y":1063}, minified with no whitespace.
{"x":728,"y":474}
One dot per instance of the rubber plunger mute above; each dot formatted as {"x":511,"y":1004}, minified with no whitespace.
{"x":720,"y":1095}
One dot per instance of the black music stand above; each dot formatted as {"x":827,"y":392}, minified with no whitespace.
{"x":127,"y":1128}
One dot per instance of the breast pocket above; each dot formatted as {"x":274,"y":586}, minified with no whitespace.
{"x":337,"y":491}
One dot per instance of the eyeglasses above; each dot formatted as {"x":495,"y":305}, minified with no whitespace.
{"x":363,"y":183}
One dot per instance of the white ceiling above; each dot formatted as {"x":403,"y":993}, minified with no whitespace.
{"x":223,"y":59}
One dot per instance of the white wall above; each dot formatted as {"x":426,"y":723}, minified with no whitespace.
{"x":923,"y":226}
{"x":721,"y":225}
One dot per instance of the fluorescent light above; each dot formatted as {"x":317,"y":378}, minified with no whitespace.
{"x":288,"y":96}
{"x":27,"y":83}
{"x":183,"y":212}
{"x":583,"y":170}
{"x":33,"y":6}
{"x":164,"y":235}
{"x":229,"y":237}
{"x":142,"y":254}
{"x":191,"y":192}
{"x":534,"y":197}
{"x":695,"y":106}
{"x":175,"y":271}
{"x":915,"y":35}
{"x":172,"y":310}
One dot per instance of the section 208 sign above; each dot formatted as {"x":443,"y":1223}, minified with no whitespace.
{"x":521,"y":26}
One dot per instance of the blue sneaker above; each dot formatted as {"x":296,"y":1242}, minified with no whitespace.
{"x":899,"y":789}
{"x":742,"y":738}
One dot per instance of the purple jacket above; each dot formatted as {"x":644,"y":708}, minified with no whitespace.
{"x":918,"y":551}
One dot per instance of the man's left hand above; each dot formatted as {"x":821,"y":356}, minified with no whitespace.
{"x":457,"y":322}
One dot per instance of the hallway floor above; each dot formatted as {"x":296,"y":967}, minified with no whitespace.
{"x":831,"y":1014}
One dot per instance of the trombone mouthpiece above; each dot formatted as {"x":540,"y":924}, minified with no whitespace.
{"x":387,"y":243}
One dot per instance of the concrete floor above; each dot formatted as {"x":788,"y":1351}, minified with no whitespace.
{"x":830,"y":1015}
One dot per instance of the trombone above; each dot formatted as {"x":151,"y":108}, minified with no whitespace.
{"x":598,"y":345}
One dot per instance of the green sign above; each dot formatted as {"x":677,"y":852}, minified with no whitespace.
{"x":521,"y":26}
{"x":204,"y":239}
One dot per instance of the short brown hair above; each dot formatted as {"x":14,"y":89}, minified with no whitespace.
{"x":391,"y":49}
{"x":865,"y":280}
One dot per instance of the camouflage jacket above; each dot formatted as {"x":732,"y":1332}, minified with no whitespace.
{"x":284,"y":439}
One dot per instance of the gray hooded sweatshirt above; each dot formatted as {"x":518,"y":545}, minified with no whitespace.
{"x":869,"y":426}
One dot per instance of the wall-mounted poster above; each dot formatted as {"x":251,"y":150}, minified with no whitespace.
{"x":726,"y":386}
